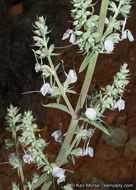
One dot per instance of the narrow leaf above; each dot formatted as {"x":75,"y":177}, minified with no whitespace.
{"x":85,"y":62}
{"x":57,"y":106}
{"x":40,"y":181}
{"x":96,"y":124}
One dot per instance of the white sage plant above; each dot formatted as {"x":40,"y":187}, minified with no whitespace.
{"x":93,"y":34}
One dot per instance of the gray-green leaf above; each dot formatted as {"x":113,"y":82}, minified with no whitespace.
{"x":57,"y":106}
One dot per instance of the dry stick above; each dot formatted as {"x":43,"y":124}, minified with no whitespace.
{"x":62,"y":154}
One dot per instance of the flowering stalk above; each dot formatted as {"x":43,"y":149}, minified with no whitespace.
{"x":62,"y":154}
{"x":14,"y":158}
{"x":20,"y":166}
{"x":62,"y":89}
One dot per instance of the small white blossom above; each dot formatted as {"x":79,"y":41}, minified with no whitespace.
{"x":130,"y":36}
{"x":88,"y":151}
{"x":126,"y":33}
{"x":37,"y":67}
{"x":57,"y":135}
{"x":120,"y":104}
{"x":90,"y":113}
{"x":72,"y":76}
{"x":70,"y":33}
{"x":59,"y":172}
{"x":91,"y":132}
{"x":73,"y":39}
{"x":12,"y":157}
{"x":46,"y":88}
{"x":28,"y":159}
{"x":67,"y":34}
{"x":108,"y":45}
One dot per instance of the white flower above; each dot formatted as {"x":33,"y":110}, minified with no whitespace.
{"x":72,"y":76}
{"x":108,"y":45}
{"x":88,"y":151}
{"x":46,"y":88}
{"x":67,"y":34}
{"x":73,"y":38}
{"x":57,"y":135}
{"x":70,"y":33}
{"x":126,"y":33}
{"x":91,"y":132}
{"x":28,"y":159}
{"x":59,"y":172}
{"x":120,"y":104}
{"x":37,"y":67}
{"x":12,"y":157}
{"x":90,"y":113}
{"x":130,"y":36}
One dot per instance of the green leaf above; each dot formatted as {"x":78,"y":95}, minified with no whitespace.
{"x":78,"y":33}
{"x":85,"y":62}
{"x":9,"y":143}
{"x":57,"y":106}
{"x":77,"y":152}
{"x":40,"y":181}
{"x":96,"y":124}
{"x":71,"y":91}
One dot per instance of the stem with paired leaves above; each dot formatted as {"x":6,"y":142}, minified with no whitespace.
{"x":90,"y":70}
{"x":63,"y":93}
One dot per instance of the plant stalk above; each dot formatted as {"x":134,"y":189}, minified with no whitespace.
{"x":20,"y":167}
{"x":88,"y":78}
{"x":62,"y":89}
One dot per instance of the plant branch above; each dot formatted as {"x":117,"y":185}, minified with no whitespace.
{"x":62,"y":154}
{"x":62,"y":89}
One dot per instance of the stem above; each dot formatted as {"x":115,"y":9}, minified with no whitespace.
{"x":62,"y":89}
{"x":20,"y":167}
{"x":62,"y":154}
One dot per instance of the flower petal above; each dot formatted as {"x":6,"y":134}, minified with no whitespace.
{"x":72,"y":76}
{"x":130,"y":36}
{"x":57,"y":135}
{"x":90,"y":113}
{"x":46,"y":88}
{"x":67,"y":34}
{"x":108,"y":45}
{"x":73,"y":38}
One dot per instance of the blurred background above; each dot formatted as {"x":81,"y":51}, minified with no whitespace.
{"x":114,"y":157}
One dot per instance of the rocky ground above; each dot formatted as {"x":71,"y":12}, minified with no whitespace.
{"x":114,"y":157}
